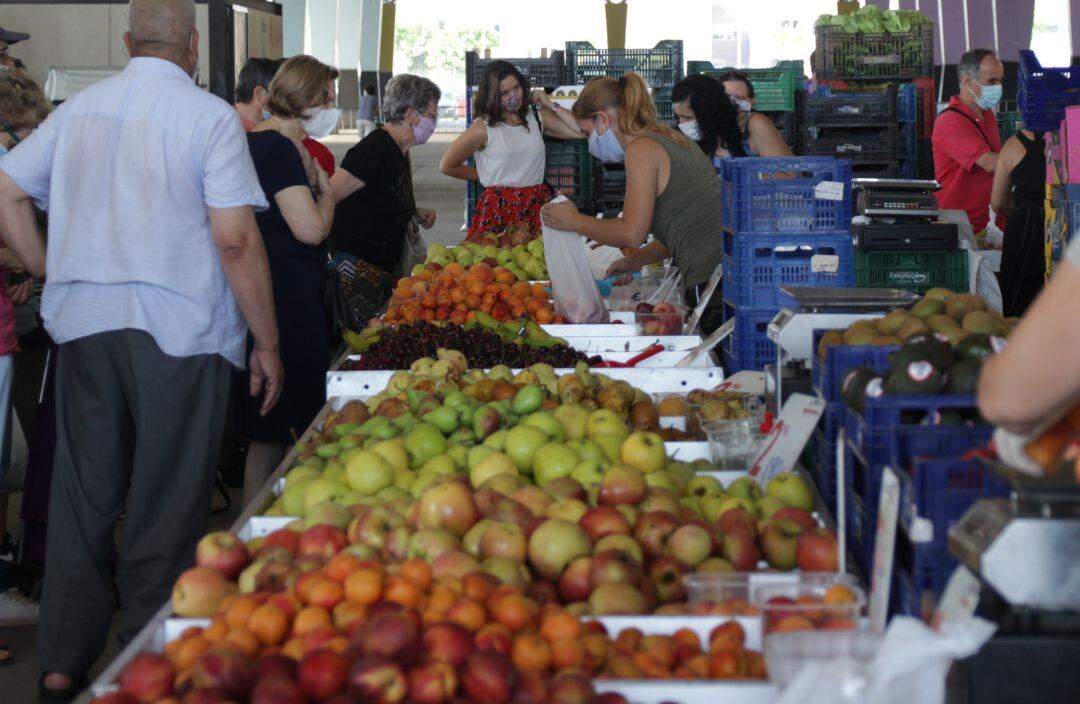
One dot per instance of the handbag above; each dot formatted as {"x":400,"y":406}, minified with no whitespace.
{"x":349,"y":307}
{"x":413,"y":251}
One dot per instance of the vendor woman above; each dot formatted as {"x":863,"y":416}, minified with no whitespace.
{"x":712,"y":118}
{"x":671,"y":188}
{"x":507,"y":141}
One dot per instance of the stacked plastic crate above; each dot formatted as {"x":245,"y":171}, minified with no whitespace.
{"x":774,"y":91}
{"x":860,"y":127}
{"x":661,"y":67}
{"x":781,"y":226}
{"x":569,"y":165}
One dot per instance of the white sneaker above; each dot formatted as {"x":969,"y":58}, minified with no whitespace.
{"x":17,"y":609}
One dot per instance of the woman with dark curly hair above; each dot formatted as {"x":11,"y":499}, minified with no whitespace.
{"x":707,"y":115}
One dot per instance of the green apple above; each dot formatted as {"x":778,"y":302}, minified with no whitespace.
{"x":459,"y":455}
{"x":393,"y":451}
{"x":392,"y":493}
{"x":440,"y":464}
{"x":444,"y":418}
{"x":351,"y":440}
{"x":522,"y":443}
{"x":404,"y":422}
{"x":355,"y":498}
{"x":768,"y":505}
{"x":424,"y":442}
{"x":505,"y":257}
{"x":497,"y":440}
{"x":477,"y":454}
{"x":334,"y":470}
{"x":463,"y":436}
{"x":745,"y":488}
{"x":703,"y":485}
{"x":505,"y":484}
{"x":292,"y":498}
{"x":589,"y":450}
{"x":312,"y":461}
{"x":568,"y":510}
{"x":470,"y":542}
{"x":792,"y":490}
{"x":495,"y":463}
{"x":423,"y":481}
{"x":644,"y":451}
{"x":527,"y":400}
{"x":691,"y":503}
{"x":301,"y":472}
{"x":663,"y":480}
{"x":554,"y":460}
{"x":343,"y":429}
{"x":604,"y":421}
{"x":535,"y":248}
{"x":319,"y":490}
{"x":404,"y":478}
{"x":738,"y":502}
{"x":368,"y":472}
{"x":546,"y":422}
{"x":610,"y":445}
{"x":500,"y":372}
{"x":375,"y":424}
{"x":327,"y":450}
{"x":574,"y":420}
{"x":435,"y":250}
{"x":464,"y":258}
{"x":457,"y":398}
{"x":711,"y":505}
{"x":589,"y":472}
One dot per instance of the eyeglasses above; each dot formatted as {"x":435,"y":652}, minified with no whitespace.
{"x":427,"y":113}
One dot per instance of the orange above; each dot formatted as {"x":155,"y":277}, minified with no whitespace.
{"x":418,"y":572}
{"x":341,"y":566}
{"x":699,"y":665}
{"x":347,"y":613}
{"x":544,"y":315}
{"x":515,"y":612}
{"x":309,"y":619}
{"x":530,"y":652}
{"x":724,"y":665}
{"x":190,"y":651}
{"x":467,"y":613}
{"x":628,"y":640}
{"x":567,"y":653}
{"x":688,"y":638}
{"x":521,"y":289}
{"x":364,"y":586}
{"x":216,"y":631}
{"x":294,"y":648}
{"x":596,"y":650}
{"x":649,"y":666}
{"x":247,"y":641}
{"x":839,"y":594}
{"x":478,"y":586}
{"x":560,"y":626}
{"x":623,"y":668}
{"x":402,"y":591}
{"x":326,"y":594}
{"x":304,"y":584}
{"x":269,"y":623}
{"x":442,"y":598}
{"x":494,"y":638}
{"x":794,"y":623}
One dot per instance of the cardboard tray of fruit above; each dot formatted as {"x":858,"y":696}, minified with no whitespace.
{"x":342,"y":387}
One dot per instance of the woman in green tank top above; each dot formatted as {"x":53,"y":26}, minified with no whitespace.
{"x":671,"y":187}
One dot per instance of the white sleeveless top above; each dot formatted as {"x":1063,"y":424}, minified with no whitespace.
{"x":513,"y":156}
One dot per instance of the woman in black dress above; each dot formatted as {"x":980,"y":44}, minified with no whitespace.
{"x":294,"y":230}
{"x":1020,"y":193}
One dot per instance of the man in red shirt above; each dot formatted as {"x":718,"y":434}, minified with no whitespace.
{"x":253,"y":90}
{"x":966,"y":139}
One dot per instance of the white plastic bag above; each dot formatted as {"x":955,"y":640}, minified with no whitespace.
{"x":572,"y":283}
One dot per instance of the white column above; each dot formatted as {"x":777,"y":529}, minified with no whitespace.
{"x":370,"y":29}
{"x":322,"y":30}
{"x":348,"y":35}
{"x":293,"y":23}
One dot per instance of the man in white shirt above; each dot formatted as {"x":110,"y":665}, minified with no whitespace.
{"x":154,"y":264}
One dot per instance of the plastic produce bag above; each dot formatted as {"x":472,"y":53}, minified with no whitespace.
{"x":572,"y":283}
{"x":910,"y":666}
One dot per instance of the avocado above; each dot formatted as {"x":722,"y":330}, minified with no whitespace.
{"x":938,"y":293}
{"x":887,"y":341}
{"x":853,"y":386}
{"x":926,"y":348}
{"x":976,"y":346}
{"x":942,"y":323}
{"x":963,"y":303}
{"x":891,"y":323}
{"x":830,"y":338}
{"x":927,"y":307}
{"x":911,"y":327}
{"x":918,"y":378}
{"x":964,"y":377}
{"x":980,"y":321}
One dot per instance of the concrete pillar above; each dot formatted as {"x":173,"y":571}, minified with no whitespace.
{"x":348,"y":35}
{"x":386,"y":37}
{"x":615,"y":13}
{"x":370,"y":29}
{"x":322,"y":30}
{"x":293,"y":25}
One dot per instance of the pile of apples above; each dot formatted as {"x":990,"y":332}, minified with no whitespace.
{"x":356,"y":631}
{"x":660,"y":319}
{"x":434,"y":292}
{"x":526,"y":259}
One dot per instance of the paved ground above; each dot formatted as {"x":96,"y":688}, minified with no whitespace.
{"x":18,"y":682}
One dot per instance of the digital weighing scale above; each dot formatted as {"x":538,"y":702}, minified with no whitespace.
{"x":900,"y":214}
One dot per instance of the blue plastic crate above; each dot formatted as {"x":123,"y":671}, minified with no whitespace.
{"x":825,"y":468}
{"x":756,"y":265}
{"x":775,"y":195}
{"x":861,"y":529}
{"x":909,"y":140}
{"x":748,"y":347}
{"x":909,"y":169}
{"x":826,"y":375}
{"x":919,"y":569}
{"x":907,"y":103}
{"x":941,"y":491}
{"x":1044,"y":93}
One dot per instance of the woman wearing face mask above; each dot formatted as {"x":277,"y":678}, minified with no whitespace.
{"x":294,"y":230}
{"x":373,"y":185}
{"x":671,"y":188}
{"x":714,"y":119}
{"x":507,"y":141}
{"x":320,"y":123}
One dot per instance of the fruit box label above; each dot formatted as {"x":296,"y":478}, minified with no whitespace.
{"x":884,"y":549}
{"x":825,"y":263}
{"x":829,"y":190}
{"x":788,"y":437}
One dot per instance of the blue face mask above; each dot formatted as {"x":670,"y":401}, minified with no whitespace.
{"x":991,"y":96}
{"x":606,"y":147}
{"x":266,"y":114}
{"x":3,"y":150}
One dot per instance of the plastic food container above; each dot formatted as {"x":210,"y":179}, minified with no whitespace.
{"x":810,"y":602}
{"x":734,"y":444}
{"x":724,"y":593}
{"x":787,"y":653}
{"x":666,"y":322}
{"x":698,"y":417}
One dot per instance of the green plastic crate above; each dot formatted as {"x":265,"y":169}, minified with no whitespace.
{"x":1009,"y":123}
{"x":774,"y":88}
{"x":912,"y":270}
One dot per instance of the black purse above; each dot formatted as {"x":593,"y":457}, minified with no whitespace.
{"x":351,"y":307}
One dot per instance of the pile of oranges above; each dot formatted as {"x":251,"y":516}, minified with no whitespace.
{"x":455,"y":293}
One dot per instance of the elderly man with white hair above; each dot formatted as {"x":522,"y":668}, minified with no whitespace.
{"x":155,"y":263}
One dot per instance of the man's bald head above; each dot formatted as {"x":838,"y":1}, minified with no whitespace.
{"x":160,"y":26}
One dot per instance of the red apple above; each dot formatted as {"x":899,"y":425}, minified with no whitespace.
{"x":373,"y":527}
{"x":798,"y":515}
{"x":690,"y":544}
{"x":735,"y":519}
{"x":666,"y":575}
{"x":610,"y":698}
{"x":449,"y":642}
{"x":741,"y":550}
{"x":322,"y":540}
{"x":617,"y":599}
{"x":574,"y":583}
{"x":448,"y":506}
{"x":227,"y":668}
{"x":494,"y":638}
{"x":531,"y":688}
{"x":223,"y":552}
{"x":555,"y":544}
{"x":571,"y":688}
{"x":779,"y":541}
{"x":148,"y":677}
{"x":652,"y":531}
{"x":275,"y":576}
{"x":504,"y":540}
{"x":622,"y":484}
{"x":454,"y":563}
{"x":565,"y":488}
{"x":485,"y":500}
{"x":615,"y":567}
{"x":432,"y":682}
{"x":533,"y":498}
{"x":511,"y":511}
{"x":391,"y":635}
{"x":377,"y":680}
{"x":817,"y":551}
{"x":284,"y":538}
{"x":489,"y":678}
{"x":604,"y":520}
{"x":275,"y":666}
{"x":321,"y":674}
{"x":395,"y":548}
{"x":198,"y":592}
{"x":216,"y":695}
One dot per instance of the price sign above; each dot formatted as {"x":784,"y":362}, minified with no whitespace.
{"x":788,"y":437}
{"x":884,"y":550}
{"x":829,"y":190}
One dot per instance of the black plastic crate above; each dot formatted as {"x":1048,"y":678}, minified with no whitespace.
{"x":875,"y":146}
{"x":542,"y":73}
{"x":661,"y":66}
{"x":610,"y":187}
{"x":899,"y":55}
{"x":848,"y":109}
{"x":786,"y":124}
{"x":665,"y":111}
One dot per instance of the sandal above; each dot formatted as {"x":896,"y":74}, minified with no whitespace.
{"x":59,"y":696}
{"x":6,"y":655}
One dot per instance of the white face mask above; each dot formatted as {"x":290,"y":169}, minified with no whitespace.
{"x":322,"y":122}
{"x":691,"y":130}
{"x":742,"y":103}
